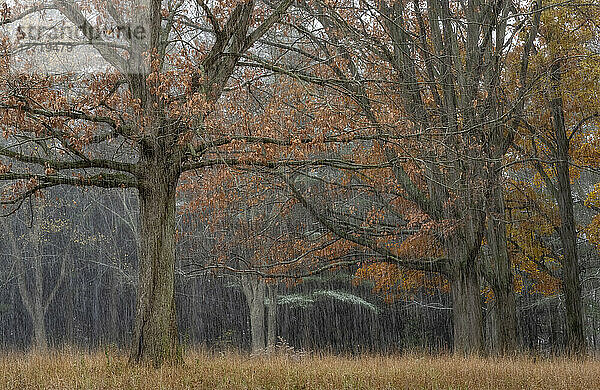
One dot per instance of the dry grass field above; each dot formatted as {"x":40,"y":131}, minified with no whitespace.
{"x":76,"y":370}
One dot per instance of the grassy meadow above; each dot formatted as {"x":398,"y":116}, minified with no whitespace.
{"x":202,"y":370}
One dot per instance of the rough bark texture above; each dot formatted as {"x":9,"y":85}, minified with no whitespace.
{"x":257,"y":322}
{"x":255,"y":292}
{"x":500,"y":277}
{"x":155,"y":338}
{"x":568,"y":234}
{"x":466,"y":303}
{"x":490,"y":334}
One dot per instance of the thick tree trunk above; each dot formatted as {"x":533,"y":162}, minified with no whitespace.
{"x":568,"y":234}
{"x":155,"y":338}
{"x":466,"y":304}
{"x":255,"y":292}
{"x":501,"y":278}
{"x":257,"y":323}
{"x":506,"y":318}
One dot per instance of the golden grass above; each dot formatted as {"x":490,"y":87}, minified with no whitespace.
{"x":76,"y":370}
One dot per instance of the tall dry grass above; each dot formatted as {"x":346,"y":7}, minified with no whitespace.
{"x":201,"y":370}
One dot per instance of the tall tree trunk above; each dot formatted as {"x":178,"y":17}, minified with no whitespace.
{"x":568,"y":234}
{"x":500,"y":276}
{"x":466,"y":304}
{"x":155,"y":338}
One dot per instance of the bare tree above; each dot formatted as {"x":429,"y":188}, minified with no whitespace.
{"x":425,"y":80}
{"x":30,"y":252}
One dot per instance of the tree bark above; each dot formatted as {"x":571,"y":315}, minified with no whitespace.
{"x":466,"y":304}
{"x":257,"y":322}
{"x":490,"y":329}
{"x":155,"y":338}
{"x":40,"y":341}
{"x":500,"y":277}
{"x":255,"y":292}
{"x":568,"y":234}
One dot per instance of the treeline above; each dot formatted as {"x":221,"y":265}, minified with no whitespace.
{"x":94,"y":304}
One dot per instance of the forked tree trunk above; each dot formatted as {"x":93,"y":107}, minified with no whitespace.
{"x":155,"y":338}
{"x":33,"y":298}
{"x":466,"y":304}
